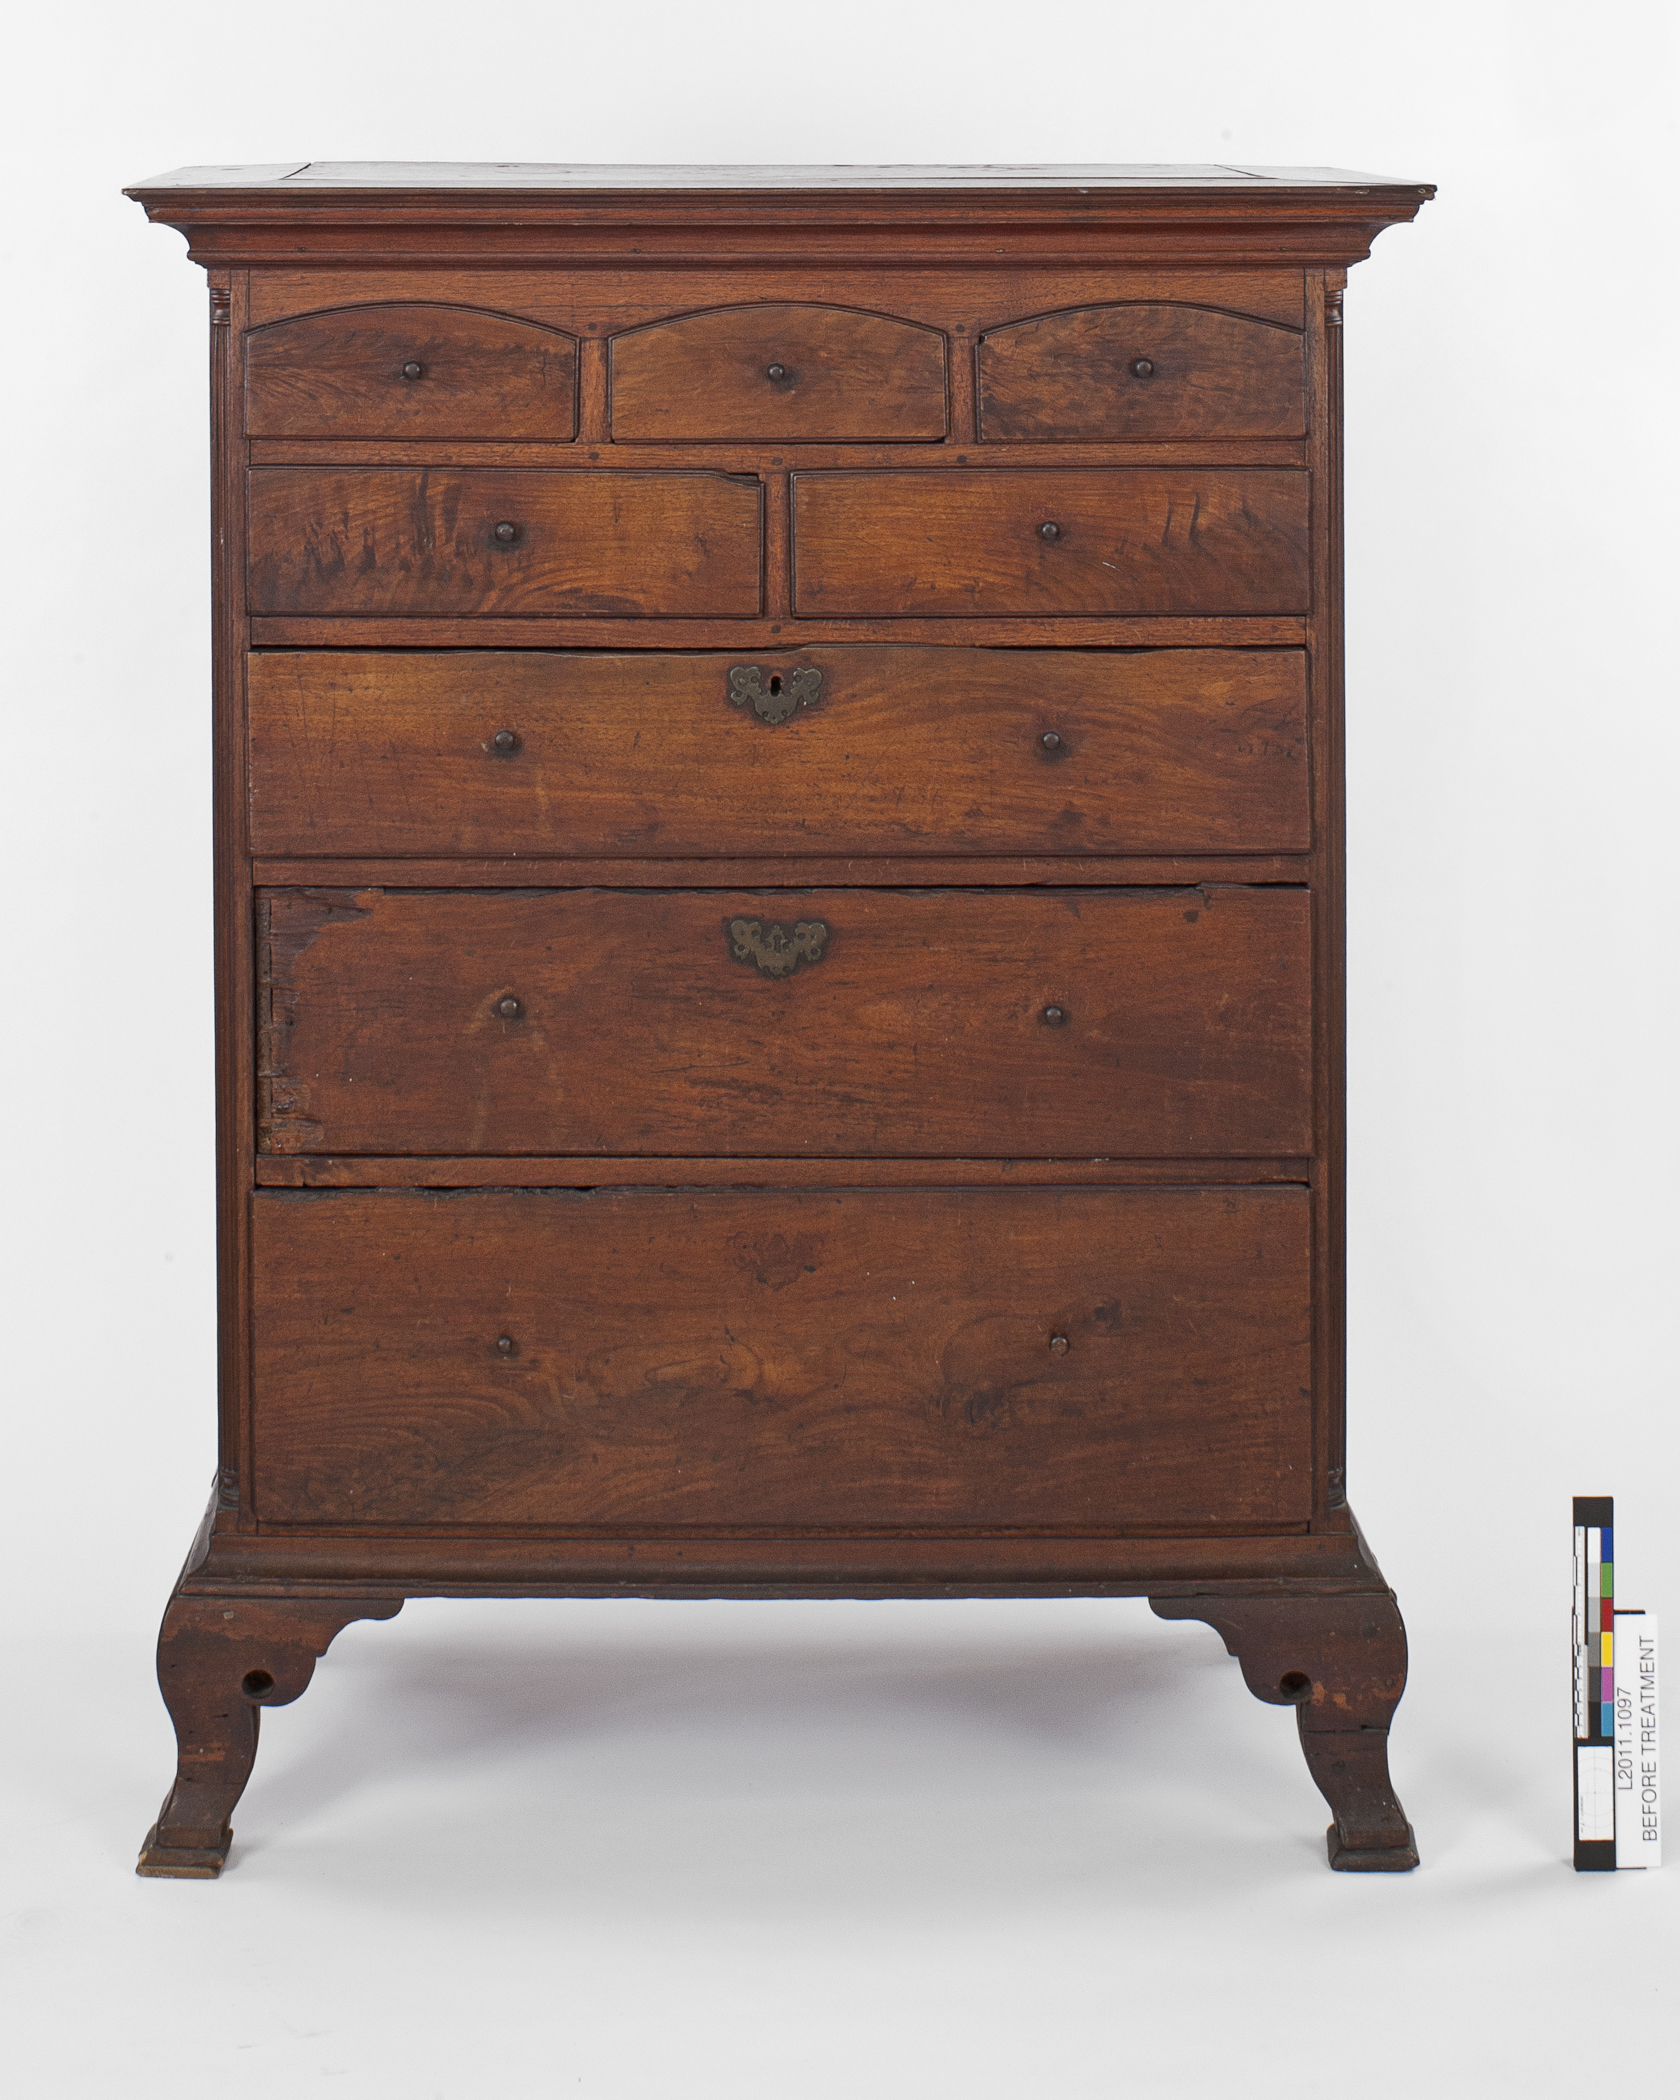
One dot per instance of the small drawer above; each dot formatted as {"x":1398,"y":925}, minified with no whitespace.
{"x":842,"y":1023}
{"x":951,"y":544}
{"x":485,"y":540}
{"x":1134,"y":371}
{"x":932,"y":1358}
{"x":782,"y":373}
{"x":417,"y":371}
{"x":822,"y":751}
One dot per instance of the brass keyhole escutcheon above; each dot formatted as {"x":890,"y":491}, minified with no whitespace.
{"x":775,"y":950}
{"x":774,"y":696}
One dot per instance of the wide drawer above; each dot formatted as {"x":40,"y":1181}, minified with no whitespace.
{"x":832,"y":751}
{"x":1142,"y":1023}
{"x":410,"y":371}
{"x":782,"y":372}
{"x":1061,"y":1358}
{"x":509,"y":541}
{"x":945,"y":543}
{"x":1142,"y":371}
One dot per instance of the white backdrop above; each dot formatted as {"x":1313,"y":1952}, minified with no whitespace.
{"x":981,"y":1849}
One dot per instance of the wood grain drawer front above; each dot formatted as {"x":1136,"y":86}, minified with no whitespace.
{"x":952,"y":544}
{"x":1145,"y":1023}
{"x":784,"y":373}
{"x":505,"y":541}
{"x":416,"y":371}
{"x":863,"y":1358}
{"x":1135,"y":371}
{"x":895,"y":751}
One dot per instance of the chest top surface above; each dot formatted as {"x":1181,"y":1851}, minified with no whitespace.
{"x":570,"y":177}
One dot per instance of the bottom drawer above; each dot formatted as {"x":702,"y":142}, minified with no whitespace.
{"x":1086,"y":1358}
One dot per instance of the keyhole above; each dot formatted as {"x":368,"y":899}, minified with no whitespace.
{"x":775,"y":681}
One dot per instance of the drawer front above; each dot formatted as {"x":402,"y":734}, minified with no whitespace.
{"x":503,"y":540}
{"x":1145,"y":1023}
{"x":887,"y":751}
{"x":954,"y":544}
{"x":778,"y":372}
{"x":415,"y":371}
{"x":842,"y":1359}
{"x":1135,"y":371}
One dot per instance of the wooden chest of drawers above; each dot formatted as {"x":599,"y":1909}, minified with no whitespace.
{"x":779,"y":911}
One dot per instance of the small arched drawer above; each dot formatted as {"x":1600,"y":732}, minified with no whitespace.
{"x":779,"y":372}
{"x":417,"y":371}
{"x":1134,"y":371}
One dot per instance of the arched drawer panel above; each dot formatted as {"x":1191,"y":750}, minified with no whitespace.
{"x":1136,"y":371}
{"x":415,"y":371}
{"x":778,"y":372}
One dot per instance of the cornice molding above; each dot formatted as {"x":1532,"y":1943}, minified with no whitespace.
{"x":1202,"y":222}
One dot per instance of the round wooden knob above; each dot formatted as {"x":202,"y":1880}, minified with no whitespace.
{"x":1054,"y":1016}
{"x":1142,"y":368}
{"x":1050,"y":743}
{"x":506,"y":533}
{"x":414,"y":369}
{"x":510,"y":1009}
{"x":1048,"y":531}
{"x":505,"y":742}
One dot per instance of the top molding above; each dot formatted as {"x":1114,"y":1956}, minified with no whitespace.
{"x":455,"y":213}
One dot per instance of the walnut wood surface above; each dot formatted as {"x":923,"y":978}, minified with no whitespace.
{"x":957,"y":301}
{"x":748,"y":637}
{"x":838,"y":374}
{"x":1305,"y":1559}
{"x":408,"y":213}
{"x":313,"y":1170}
{"x":1341,"y":1663}
{"x":219,"y":1663}
{"x":1214,"y":1044}
{"x":865,"y":1358}
{"x":1129,"y":540}
{"x":920,"y":1030}
{"x":342,"y":375}
{"x":778,"y":872}
{"x":903,"y":751}
{"x":368,"y":541}
{"x":1071,"y":375}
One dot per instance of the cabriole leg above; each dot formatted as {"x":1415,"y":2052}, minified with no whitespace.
{"x":220,"y":1661}
{"x":1340,"y":1661}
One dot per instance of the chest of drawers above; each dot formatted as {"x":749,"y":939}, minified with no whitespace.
{"x":779,"y":911}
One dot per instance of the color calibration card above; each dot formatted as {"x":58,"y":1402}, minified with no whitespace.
{"x":1618,"y":1818}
